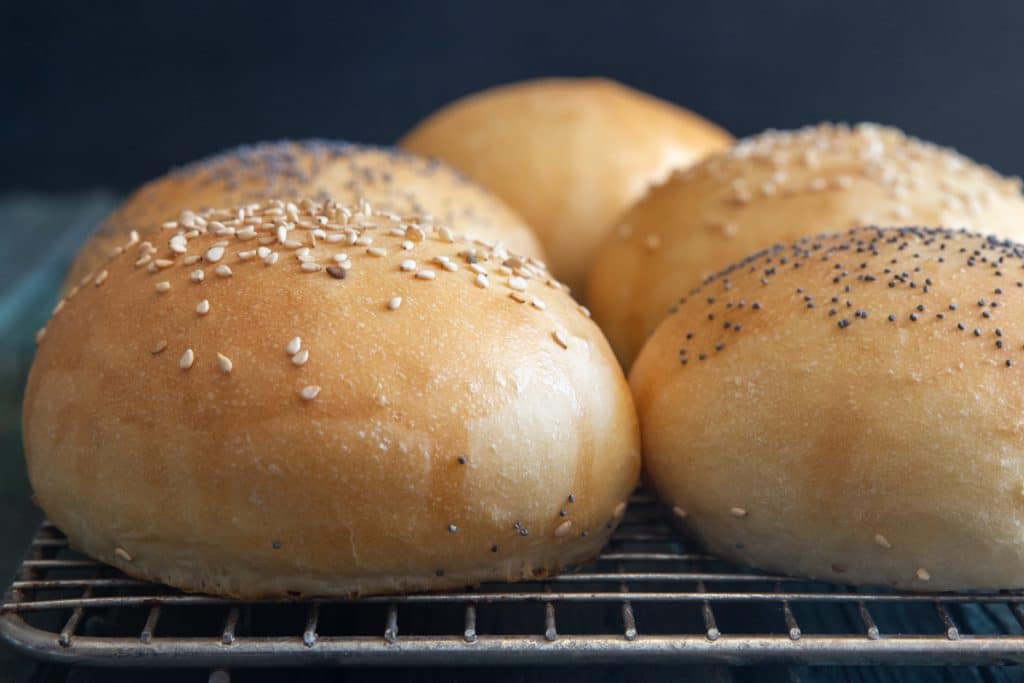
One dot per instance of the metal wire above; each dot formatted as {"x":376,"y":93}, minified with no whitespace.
{"x":646,"y":598}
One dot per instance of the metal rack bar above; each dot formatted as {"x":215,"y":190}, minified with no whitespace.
{"x":146,"y":636}
{"x":621,"y":577}
{"x":710,"y":623}
{"x":628,"y":618}
{"x":871,"y":628}
{"x":792,"y":628}
{"x":391,"y":624}
{"x":230,"y":624}
{"x":309,"y":634}
{"x":469,"y":624}
{"x":526,"y":597}
{"x":952,"y":630}
{"x":550,"y":628}
{"x":72,"y":623}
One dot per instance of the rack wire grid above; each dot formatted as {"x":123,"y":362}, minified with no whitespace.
{"x":646,"y":598}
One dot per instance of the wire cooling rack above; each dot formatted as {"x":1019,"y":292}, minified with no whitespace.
{"x":647,"y":598}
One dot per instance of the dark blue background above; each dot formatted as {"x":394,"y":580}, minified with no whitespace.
{"x":99,"y":93}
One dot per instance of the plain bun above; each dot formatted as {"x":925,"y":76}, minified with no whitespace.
{"x":775,"y":188}
{"x":389,"y":179}
{"x":849,"y":409}
{"x":234,"y":410}
{"x":568,"y":154}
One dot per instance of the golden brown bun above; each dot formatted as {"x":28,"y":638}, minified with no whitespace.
{"x":568,"y":154}
{"x":849,"y":408}
{"x":391,"y":180}
{"x":457,"y":405}
{"x":774,"y":188}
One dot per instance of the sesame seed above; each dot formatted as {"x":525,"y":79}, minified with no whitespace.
{"x":563,"y":529}
{"x":162,"y":263}
{"x":309,"y":392}
{"x":163,"y":286}
{"x":293,"y":346}
{"x":309,"y":267}
{"x":377,"y":251}
{"x":481,"y":281}
{"x":518,"y":297}
{"x":738,"y":513}
{"x":299,"y":358}
{"x":426,"y":274}
{"x":450,"y":267}
{"x":214,"y":254}
{"x":882,"y":541}
{"x":407,"y":245}
{"x":538,"y":304}
{"x":407,"y":265}
{"x":271,"y":258}
{"x":178,"y":244}
{"x":203,"y":307}
{"x":123,"y":554}
{"x":394,"y":303}
{"x":583,"y":310}
{"x":560,"y":339}
{"x":461,"y":459}
{"x":223,"y":270}
{"x":160,"y":346}
{"x":452,"y":528}
{"x":679,"y":512}
{"x":196,"y":275}
{"x":517,"y":283}
{"x":337,"y":272}
{"x":619,"y":510}
{"x":923,"y":574}
{"x":187,"y":359}
{"x":224,"y":364}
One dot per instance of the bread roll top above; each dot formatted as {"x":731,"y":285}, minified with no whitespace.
{"x":849,"y":408}
{"x":568,"y":154}
{"x":311,"y":398}
{"x":387,"y":179}
{"x":775,"y":188}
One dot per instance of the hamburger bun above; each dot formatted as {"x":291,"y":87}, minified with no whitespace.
{"x":389,"y":179}
{"x":848,"y":408}
{"x":568,"y":154}
{"x":774,"y":188}
{"x":233,"y":407}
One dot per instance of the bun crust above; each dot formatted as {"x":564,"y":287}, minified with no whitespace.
{"x":568,"y":154}
{"x":389,"y":179}
{"x":775,"y":188}
{"x":849,"y":409}
{"x":437,"y":423}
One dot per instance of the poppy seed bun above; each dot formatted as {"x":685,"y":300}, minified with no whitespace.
{"x":390,"y":179}
{"x":249,"y":415}
{"x":568,"y":154}
{"x":849,"y":408}
{"x":775,"y":188}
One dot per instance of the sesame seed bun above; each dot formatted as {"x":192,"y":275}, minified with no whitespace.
{"x":774,"y":188}
{"x":849,"y":408}
{"x":251,"y":415}
{"x":390,"y":179}
{"x":568,"y":154}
